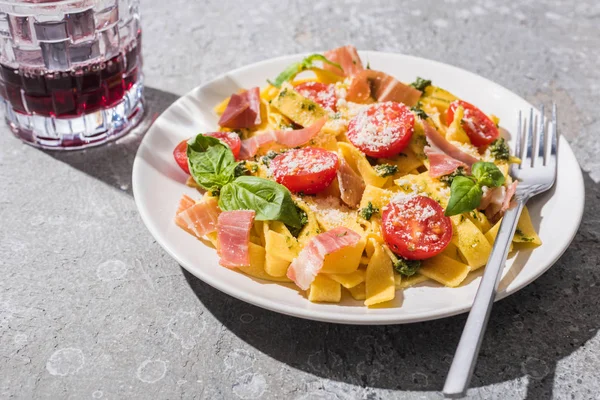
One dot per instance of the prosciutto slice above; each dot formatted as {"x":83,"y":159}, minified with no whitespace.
{"x":185,"y":203}
{"x":381,"y":87}
{"x":242,"y":111}
{"x":233,"y":236}
{"x":496,"y":201}
{"x":299,"y":137}
{"x":441,"y":164}
{"x":251,"y":145}
{"x":510,"y":192}
{"x":438,"y":142}
{"x":347,"y":57}
{"x":351,"y":184}
{"x":291,"y":138}
{"x":199,"y":218}
{"x":309,"y":262}
{"x":385,"y":87}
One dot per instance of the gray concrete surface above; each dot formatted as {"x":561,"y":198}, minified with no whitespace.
{"x":92,"y":307}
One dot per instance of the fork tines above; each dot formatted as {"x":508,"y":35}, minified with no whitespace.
{"x":537,"y":141}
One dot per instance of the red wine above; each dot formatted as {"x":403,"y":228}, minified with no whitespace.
{"x":72,"y":93}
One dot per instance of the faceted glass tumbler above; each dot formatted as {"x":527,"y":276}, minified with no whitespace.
{"x":71,"y":70}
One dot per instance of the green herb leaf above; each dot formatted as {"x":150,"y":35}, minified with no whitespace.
{"x":294,"y":69}
{"x":500,"y":150}
{"x":406,"y":267}
{"x":460,"y":171}
{"x":465,"y":195}
{"x":270,"y":200}
{"x":368,"y":211}
{"x":487,"y":174}
{"x":295,"y":231}
{"x":211,"y":163}
{"x":421,"y":84}
{"x":384,"y":170}
{"x":420,"y":113}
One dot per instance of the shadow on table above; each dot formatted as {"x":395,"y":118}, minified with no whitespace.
{"x":112,"y":163}
{"x":528,"y":333}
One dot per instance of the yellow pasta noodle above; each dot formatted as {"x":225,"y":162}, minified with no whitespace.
{"x":349,"y":280}
{"x":359,"y":163}
{"x":325,"y":289}
{"x":525,"y":232}
{"x":471,"y":242}
{"x":379,"y":280}
{"x":257,"y":265}
{"x":444,"y":270}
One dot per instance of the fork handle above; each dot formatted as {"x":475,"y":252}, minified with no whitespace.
{"x":463,"y":364}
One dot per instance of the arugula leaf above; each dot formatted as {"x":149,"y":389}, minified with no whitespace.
{"x":465,"y":195}
{"x":421,"y":84}
{"x":270,"y":200}
{"x":294,"y":69}
{"x":487,"y":174}
{"x":211,"y":163}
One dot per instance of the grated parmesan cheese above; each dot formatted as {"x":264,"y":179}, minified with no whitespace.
{"x":297,"y":163}
{"x":330,"y":210}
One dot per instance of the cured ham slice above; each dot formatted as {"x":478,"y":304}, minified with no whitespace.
{"x":510,"y":191}
{"x":385,"y":87}
{"x":351,"y":184}
{"x":347,"y":57}
{"x":497,"y":200}
{"x":185,"y":203}
{"x":309,"y":262}
{"x":242,"y":111}
{"x":199,"y":218}
{"x":441,"y":164}
{"x":290,"y":138}
{"x":359,"y":89}
{"x":251,"y":145}
{"x":381,"y":87}
{"x":299,"y":137}
{"x":438,"y":142}
{"x":233,"y":237}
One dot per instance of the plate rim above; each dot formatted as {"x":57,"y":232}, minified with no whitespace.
{"x":328,"y":316}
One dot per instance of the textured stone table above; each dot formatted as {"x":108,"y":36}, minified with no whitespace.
{"x":92,"y":307}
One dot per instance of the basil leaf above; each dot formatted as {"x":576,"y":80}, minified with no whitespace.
{"x":487,"y":174}
{"x":294,"y":69}
{"x":270,"y":200}
{"x":211,"y":162}
{"x":465,"y":195}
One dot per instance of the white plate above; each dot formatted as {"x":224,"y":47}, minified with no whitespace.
{"x":158,"y":184}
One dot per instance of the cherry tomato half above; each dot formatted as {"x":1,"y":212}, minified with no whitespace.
{"x":320,"y":93}
{"x":231,"y":139}
{"x":478,"y":126}
{"x":415,"y":227}
{"x":308,"y":170}
{"x":180,"y":154}
{"x":382,"y":130}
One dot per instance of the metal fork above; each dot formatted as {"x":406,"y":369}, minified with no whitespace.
{"x":537,"y":147}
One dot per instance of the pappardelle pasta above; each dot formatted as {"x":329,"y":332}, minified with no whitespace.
{"x":336,"y":177}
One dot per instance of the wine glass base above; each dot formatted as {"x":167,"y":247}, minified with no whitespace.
{"x":81,"y":132}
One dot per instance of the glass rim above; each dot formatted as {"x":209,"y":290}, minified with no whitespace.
{"x":42,"y":3}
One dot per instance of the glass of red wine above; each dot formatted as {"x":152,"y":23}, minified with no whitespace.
{"x":70,"y":70}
